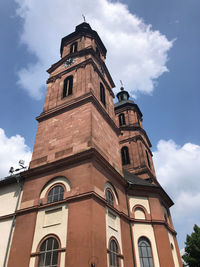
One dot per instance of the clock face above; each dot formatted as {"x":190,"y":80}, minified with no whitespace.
{"x":69,"y":62}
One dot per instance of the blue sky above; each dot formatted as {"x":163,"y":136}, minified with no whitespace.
{"x":159,"y":65}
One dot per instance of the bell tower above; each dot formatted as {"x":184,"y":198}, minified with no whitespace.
{"x":79,"y":95}
{"x":76,"y":156}
{"x":134,"y":142}
{"x":90,"y":197}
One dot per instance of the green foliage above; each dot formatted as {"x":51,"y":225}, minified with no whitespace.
{"x":192,"y":248}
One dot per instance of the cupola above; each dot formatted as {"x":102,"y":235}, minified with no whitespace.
{"x":123,"y":95}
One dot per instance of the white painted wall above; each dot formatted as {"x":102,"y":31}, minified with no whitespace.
{"x":51,"y":220}
{"x":113,"y":228}
{"x":5,"y":226}
{"x":139,"y":214}
{"x":8,"y":198}
{"x":145,"y":230}
{"x":143,"y":201}
{"x":174,"y":254}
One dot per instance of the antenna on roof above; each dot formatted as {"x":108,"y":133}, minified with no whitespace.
{"x":21,"y":164}
{"x":84,"y":18}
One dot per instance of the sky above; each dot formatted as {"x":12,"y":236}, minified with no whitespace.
{"x":153,"y":47}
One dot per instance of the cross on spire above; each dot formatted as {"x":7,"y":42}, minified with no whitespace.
{"x":122,"y":86}
{"x":84,"y":18}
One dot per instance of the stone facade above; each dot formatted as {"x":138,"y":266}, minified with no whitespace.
{"x":107,"y":200}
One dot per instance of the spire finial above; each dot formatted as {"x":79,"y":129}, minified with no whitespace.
{"x":84,"y":18}
{"x":122,"y":87}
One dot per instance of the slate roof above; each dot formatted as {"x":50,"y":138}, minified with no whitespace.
{"x":132,"y":179}
{"x":9,"y":179}
{"x":81,"y":29}
{"x":124,"y":103}
{"x":135,"y":180}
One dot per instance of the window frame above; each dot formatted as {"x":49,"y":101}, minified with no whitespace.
{"x":74,"y":47}
{"x":109,"y":201}
{"x":52,"y":188}
{"x":125,"y":155}
{"x":116,"y":253}
{"x":145,"y":239}
{"x":148,"y":160}
{"x":59,"y":249}
{"x":166,"y":214}
{"x":102,"y":94}
{"x":122,"y":120}
{"x":98,"y":52}
{"x":67,"y":87}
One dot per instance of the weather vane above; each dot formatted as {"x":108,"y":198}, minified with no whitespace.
{"x":84,"y":18}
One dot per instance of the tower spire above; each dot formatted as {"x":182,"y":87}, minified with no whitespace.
{"x":134,"y":140}
{"x":122,"y":95}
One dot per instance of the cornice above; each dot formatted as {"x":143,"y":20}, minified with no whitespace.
{"x":82,"y":53}
{"x":77,"y":102}
{"x":142,"y":170}
{"x":96,"y":197}
{"x":127,"y":105}
{"x":158,"y":190}
{"x":90,"y":154}
{"x":135,"y":128}
{"x":148,"y":171}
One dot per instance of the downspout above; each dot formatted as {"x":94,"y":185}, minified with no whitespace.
{"x":131,"y":230}
{"x":18,"y":178}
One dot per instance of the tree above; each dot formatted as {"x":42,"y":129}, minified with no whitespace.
{"x":192,"y":248}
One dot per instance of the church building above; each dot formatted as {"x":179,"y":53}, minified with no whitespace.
{"x":90,"y":197}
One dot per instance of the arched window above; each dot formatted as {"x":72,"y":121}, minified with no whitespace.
{"x":56,"y":194}
{"x":145,"y":253}
{"x":148,"y":161}
{"x":48,"y":256}
{"x":109,"y":197}
{"x":125,"y":155}
{"x":166,"y":216}
{"x":68,"y":84}
{"x":114,"y":260}
{"x":102,"y":94}
{"x":122,"y":119}
{"x":97,"y":52}
{"x":73,"y":47}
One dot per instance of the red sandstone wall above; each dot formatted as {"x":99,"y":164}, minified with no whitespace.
{"x":75,"y":131}
{"x":62,"y":135}
{"x":79,"y":177}
{"x":85,"y":79}
{"x":86,"y":234}
{"x":163,"y":246}
{"x":105,"y":140}
{"x":22,"y":240}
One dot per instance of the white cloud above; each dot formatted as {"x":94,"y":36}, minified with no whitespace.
{"x":136,"y":53}
{"x":12,"y":150}
{"x":178,"y":171}
{"x":182,"y":251}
